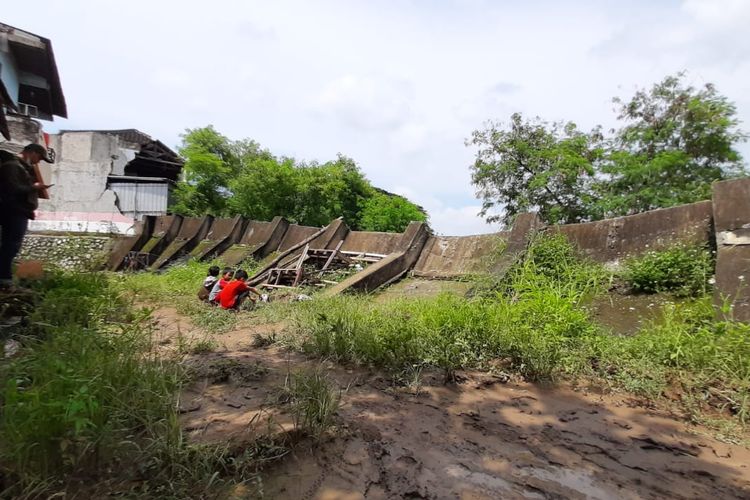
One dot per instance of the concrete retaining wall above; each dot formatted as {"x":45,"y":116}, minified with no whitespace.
{"x":295,"y":234}
{"x":731,"y":213}
{"x":613,"y":239}
{"x":371,"y":242}
{"x":259,"y":240}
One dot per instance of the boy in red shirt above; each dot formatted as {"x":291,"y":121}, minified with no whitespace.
{"x":234,"y":293}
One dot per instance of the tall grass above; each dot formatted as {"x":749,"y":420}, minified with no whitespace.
{"x":87,"y":391}
{"x":88,"y":408}
{"x":532,"y":322}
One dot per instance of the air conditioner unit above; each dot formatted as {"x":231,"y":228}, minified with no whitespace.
{"x":27,"y":110}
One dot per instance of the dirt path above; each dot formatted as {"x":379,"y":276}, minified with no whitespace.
{"x":481,"y":438}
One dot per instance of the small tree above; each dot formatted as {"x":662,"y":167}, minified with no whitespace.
{"x":676,"y":141}
{"x":533,"y":165}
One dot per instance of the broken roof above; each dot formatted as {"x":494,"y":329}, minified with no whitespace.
{"x":152,"y":158}
{"x":33,"y":54}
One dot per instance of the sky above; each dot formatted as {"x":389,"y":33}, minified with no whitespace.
{"x":396,"y":85}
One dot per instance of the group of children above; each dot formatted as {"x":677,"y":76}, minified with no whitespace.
{"x":229,"y":291}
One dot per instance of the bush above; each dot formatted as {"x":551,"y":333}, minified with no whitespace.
{"x":682,"y":270}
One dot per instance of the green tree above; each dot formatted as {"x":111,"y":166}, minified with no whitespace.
{"x":210,"y":164}
{"x":227,"y":178}
{"x":676,"y":140}
{"x":533,"y":165}
{"x":391,"y":213}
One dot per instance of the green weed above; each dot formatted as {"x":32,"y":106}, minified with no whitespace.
{"x":683,"y":270}
{"x":314,"y":401}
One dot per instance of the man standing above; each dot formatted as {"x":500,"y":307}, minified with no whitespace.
{"x":19,"y":193}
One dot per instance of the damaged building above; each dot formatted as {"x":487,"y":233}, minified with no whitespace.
{"x":106,"y":180}
{"x":30,"y":88}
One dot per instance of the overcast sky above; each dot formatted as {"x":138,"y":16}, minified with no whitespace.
{"x":396,"y":85}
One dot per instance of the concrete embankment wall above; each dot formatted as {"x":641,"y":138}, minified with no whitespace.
{"x":449,"y":256}
{"x":611,"y":240}
{"x":723,"y":222}
{"x":295,"y":234}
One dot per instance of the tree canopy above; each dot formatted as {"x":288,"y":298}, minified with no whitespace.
{"x":227,"y":178}
{"x":674,"y":141}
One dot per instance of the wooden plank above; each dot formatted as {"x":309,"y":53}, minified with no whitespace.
{"x":364,"y":254}
{"x":333,"y":254}
{"x":302,"y":257}
{"x":268,"y":285}
{"x":255,"y":279}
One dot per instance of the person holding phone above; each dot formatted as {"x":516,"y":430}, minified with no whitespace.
{"x":19,"y":198}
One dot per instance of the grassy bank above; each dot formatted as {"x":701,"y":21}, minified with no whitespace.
{"x":89,"y":408}
{"x":532,"y":322}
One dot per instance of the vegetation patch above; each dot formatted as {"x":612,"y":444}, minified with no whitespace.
{"x":535,"y":323}
{"x":681,"y":269}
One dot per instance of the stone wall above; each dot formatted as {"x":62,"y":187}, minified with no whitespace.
{"x":67,"y":251}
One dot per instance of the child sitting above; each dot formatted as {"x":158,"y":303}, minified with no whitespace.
{"x":226,"y":277}
{"x":208,"y":283}
{"x":233,"y":294}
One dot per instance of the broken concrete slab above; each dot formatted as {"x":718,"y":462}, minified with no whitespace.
{"x":259,"y":240}
{"x":390,"y":268}
{"x":124,"y":246}
{"x":223,"y":234}
{"x":294,"y":234}
{"x":192,"y":231}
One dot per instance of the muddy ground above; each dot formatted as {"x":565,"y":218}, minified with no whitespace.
{"x":482,"y":437}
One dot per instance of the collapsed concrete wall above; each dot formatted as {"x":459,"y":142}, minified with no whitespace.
{"x":393,"y":267}
{"x":371,"y":242}
{"x":259,"y":240}
{"x":451,"y":257}
{"x":611,"y":240}
{"x":223,"y":234}
{"x":294,"y":234}
{"x":192,"y":231}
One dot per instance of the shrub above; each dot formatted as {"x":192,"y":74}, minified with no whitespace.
{"x":682,"y":270}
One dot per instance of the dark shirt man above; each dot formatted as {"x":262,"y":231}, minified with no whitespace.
{"x":19,"y":194}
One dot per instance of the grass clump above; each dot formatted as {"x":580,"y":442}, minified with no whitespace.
{"x":87,"y":391}
{"x":314,"y":401}
{"x":682,"y":270}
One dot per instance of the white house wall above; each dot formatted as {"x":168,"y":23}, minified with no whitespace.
{"x":79,"y":200}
